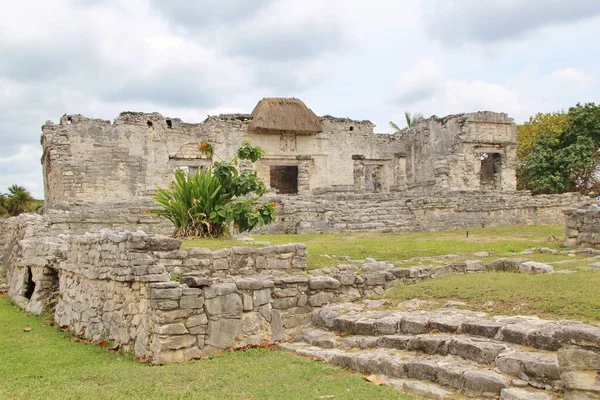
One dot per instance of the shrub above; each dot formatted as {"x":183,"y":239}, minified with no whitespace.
{"x":205,"y":204}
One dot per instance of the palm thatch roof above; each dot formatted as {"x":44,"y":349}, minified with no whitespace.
{"x":276,"y":114}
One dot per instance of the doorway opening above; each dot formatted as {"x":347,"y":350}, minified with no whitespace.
{"x":29,"y":284}
{"x":490,"y":173}
{"x":284,"y":179}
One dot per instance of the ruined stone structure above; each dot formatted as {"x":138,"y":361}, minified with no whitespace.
{"x":329,"y":175}
{"x":169,"y":305}
{"x":458,"y":170}
{"x":583,"y":225}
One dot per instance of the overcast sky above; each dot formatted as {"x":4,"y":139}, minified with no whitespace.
{"x":348,"y":58}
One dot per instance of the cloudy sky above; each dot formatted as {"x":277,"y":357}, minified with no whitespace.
{"x":348,"y":58}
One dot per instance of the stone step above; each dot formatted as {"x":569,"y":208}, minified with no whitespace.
{"x":419,"y":388}
{"x":537,"y":368}
{"x":448,"y":371}
{"x":529,"y":331}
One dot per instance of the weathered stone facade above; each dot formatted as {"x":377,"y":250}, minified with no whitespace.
{"x":583,"y":225}
{"x":88,"y":161}
{"x":451,"y":172}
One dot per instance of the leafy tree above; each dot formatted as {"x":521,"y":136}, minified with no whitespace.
{"x":206,"y":203}
{"x":541,"y":123}
{"x":411,"y":120}
{"x":18,"y":200}
{"x":567,"y":161}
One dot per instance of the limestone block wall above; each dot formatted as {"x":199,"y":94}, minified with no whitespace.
{"x":221,"y":264}
{"x":392,"y":212}
{"x":583,"y":225}
{"x":93,"y":164}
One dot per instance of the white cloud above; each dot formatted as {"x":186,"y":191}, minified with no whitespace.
{"x":23,"y":168}
{"x":476,"y":21}
{"x":570,"y":77}
{"x":419,"y":83}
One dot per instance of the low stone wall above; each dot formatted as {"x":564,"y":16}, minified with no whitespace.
{"x":348,"y":212}
{"x":283,"y":259}
{"x":583,"y":225}
{"x":392,"y":212}
{"x":126,"y":287}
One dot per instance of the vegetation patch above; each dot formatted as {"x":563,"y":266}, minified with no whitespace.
{"x":571,"y":296}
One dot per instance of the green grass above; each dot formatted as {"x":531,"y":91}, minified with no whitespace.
{"x":573,"y":296}
{"x":45,"y":364}
{"x":402,"y":246}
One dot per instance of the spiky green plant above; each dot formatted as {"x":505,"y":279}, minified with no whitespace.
{"x":205,"y":204}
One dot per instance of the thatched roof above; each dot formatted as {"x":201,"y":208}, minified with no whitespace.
{"x":277,"y":114}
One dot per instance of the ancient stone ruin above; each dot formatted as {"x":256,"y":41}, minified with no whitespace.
{"x":328,"y":174}
{"x":96,"y":261}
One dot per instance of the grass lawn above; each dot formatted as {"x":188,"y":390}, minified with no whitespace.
{"x":573,"y":296}
{"x":45,"y":364}
{"x":402,"y":246}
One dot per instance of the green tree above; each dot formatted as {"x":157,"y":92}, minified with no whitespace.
{"x":567,"y":160}
{"x":541,"y":123}
{"x":18,"y":200}
{"x":206,"y":203}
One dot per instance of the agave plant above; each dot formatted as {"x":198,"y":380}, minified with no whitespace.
{"x":205,"y":204}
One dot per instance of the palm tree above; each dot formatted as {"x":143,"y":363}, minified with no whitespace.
{"x":411,"y":120}
{"x":17,"y":200}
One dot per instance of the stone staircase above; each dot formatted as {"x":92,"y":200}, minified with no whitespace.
{"x":446,"y":353}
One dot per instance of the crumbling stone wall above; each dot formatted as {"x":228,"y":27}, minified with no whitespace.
{"x":90,"y":162}
{"x":583,"y":225}
{"x":448,"y":152}
{"x":170,"y":305}
{"x":393,"y":212}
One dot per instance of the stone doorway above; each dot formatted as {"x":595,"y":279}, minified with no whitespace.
{"x":29,"y":286}
{"x":284,"y":178}
{"x":490,"y":173}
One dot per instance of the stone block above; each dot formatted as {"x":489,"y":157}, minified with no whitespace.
{"x":171,"y":293}
{"x":532,"y":267}
{"x":221,"y":333}
{"x":287,"y":292}
{"x":285,"y":302}
{"x":576,"y":358}
{"x":261,"y":297}
{"x":374,"y":279}
{"x":481,"y":327}
{"x":522,"y":394}
{"x":220,"y":289}
{"x":191,"y":302}
{"x":247,"y":302}
{"x":220,"y":264}
{"x":346,"y":278}
{"x":478,"y":351}
{"x":484,"y":382}
{"x":253,"y":283}
{"x":320,"y":298}
{"x":323,"y":282}
{"x":196,"y":320}
{"x":226,"y":304}
{"x":164,"y":304}
{"x":177,"y":342}
{"x":415,"y":324}
{"x":277,"y":325}
{"x":171,"y":329}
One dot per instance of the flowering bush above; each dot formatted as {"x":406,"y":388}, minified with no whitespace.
{"x":207,"y":149}
{"x":207,"y":203}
